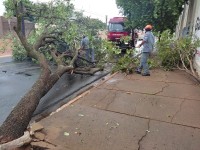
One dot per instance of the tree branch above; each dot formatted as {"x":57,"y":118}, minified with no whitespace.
{"x":191,"y":65}
{"x":28,"y":47}
{"x":42,"y":37}
{"x":182,"y":60}
{"x":57,"y":59}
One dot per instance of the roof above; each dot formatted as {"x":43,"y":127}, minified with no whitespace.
{"x":117,"y":19}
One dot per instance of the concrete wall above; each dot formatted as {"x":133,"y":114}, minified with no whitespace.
{"x":196,"y":31}
{"x":189,"y":23}
{"x":6,"y":26}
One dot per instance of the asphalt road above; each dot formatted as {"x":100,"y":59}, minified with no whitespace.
{"x":16,"y":78}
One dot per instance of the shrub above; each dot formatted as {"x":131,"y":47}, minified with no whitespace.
{"x":178,"y":53}
{"x":168,"y":56}
{"x":19,"y":53}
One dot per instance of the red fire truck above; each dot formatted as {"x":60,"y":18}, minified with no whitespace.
{"x":117,"y":29}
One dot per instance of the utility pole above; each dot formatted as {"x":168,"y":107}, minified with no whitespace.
{"x":106,"y":19}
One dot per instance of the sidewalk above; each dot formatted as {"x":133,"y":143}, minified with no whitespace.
{"x":160,"y":112}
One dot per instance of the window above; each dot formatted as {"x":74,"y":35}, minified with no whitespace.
{"x":117,"y":27}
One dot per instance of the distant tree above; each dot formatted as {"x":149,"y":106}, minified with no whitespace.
{"x":162,"y":14}
{"x":90,"y":25}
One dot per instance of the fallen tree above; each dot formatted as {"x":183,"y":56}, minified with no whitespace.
{"x":38,"y":49}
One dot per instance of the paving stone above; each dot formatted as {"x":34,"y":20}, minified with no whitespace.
{"x":165,"y":136}
{"x":141,"y":105}
{"x":189,"y":114}
{"x":93,"y":97}
{"x":156,"y":75}
{"x":158,"y":108}
{"x":97,"y":129}
{"x":140,"y":86}
{"x":159,"y":112}
{"x":182,"y":91}
{"x":179,"y":77}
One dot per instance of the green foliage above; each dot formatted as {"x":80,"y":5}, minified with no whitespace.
{"x":110,"y":51}
{"x":19,"y":53}
{"x":168,"y":56}
{"x":3,"y":46}
{"x":162,"y":14}
{"x":9,"y":6}
{"x":97,"y":45}
{"x":126,"y":63}
{"x":66,"y":24}
{"x":176,"y":53}
{"x":125,"y":39}
{"x":186,"y":47}
{"x":153,"y":62}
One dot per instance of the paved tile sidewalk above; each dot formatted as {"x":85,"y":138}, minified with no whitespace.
{"x":160,"y":112}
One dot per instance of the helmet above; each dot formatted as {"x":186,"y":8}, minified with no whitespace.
{"x":148,"y":27}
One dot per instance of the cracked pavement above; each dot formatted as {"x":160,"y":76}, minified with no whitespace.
{"x":160,"y":112}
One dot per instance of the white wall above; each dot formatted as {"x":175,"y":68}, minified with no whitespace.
{"x":189,"y":21}
{"x":196,"y":31}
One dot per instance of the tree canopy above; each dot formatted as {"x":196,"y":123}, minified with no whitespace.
{"x":162,"y":14}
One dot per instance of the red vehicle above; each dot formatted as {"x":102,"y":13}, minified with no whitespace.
{"x":117,"y":29}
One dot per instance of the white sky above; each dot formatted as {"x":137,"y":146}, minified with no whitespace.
{"x":97,"y":8}
{"x":93,"y":8}
{"x":2,"y":8}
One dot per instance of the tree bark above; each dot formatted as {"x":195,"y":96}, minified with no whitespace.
{"x":18,"y":120}
{"x":16,"y":123}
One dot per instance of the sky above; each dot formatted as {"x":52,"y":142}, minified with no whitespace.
{"x":93,"y":8}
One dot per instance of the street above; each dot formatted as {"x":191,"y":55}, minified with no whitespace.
{"x":16,"y":78}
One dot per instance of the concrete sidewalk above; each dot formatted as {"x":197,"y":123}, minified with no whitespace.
{"x":160,"y":112}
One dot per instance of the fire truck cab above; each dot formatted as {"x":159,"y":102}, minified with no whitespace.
{"x":117,"y":29}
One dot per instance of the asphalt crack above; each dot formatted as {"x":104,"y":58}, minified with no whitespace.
{"x":180,"y":108}
{"x":142,"y":138}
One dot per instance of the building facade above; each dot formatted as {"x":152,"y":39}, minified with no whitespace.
{"x":189,"y":24}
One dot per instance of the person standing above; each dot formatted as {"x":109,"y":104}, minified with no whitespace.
{"x":91,"y":49}
{"x":85,"y":46}
{"x":148,"y":44}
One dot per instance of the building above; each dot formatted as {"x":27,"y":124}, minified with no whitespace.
{"x":189,"y":23}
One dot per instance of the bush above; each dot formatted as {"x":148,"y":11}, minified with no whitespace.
{"x":126,"y":63}
{"x":168,"y":56}
{"x":19,"y":53}
{"x":177,"y":53}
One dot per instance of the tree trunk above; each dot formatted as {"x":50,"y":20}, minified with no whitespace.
{"x":18,"y":120}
